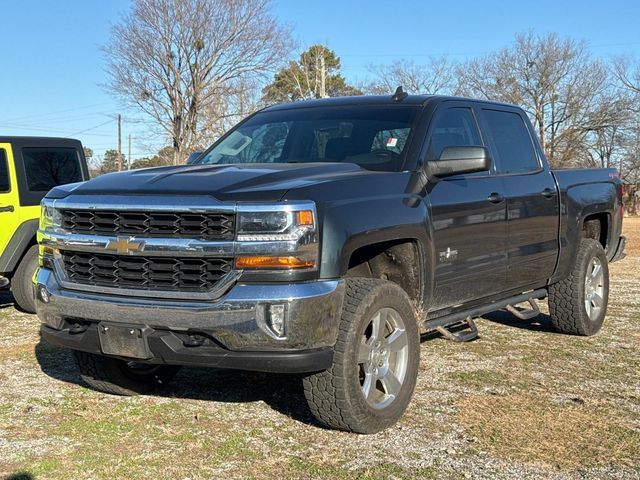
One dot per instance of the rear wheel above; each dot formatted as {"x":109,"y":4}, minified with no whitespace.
{"x":120,"y":377}
{"x":375,"y":364}
{"x":22,"y":281}
{"x":578,"y":304}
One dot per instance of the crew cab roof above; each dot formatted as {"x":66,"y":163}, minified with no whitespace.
{"x":375,"y":100}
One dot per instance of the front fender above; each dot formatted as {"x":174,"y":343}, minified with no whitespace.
{"x":350,"y":225}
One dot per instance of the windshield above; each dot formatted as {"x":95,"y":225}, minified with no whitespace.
{"x":372,"y":137}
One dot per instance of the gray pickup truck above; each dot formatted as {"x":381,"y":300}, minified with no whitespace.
{"x":305,"y":239}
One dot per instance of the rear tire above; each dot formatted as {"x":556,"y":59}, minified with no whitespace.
{"x":375,"y":364}
{"x":118,"y":377}
{"x":578,"y":304}
{"x":22,"y":281}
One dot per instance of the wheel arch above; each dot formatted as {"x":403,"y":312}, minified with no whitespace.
{"x":23,"y":238}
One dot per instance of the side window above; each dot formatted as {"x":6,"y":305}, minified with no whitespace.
{"x":49,"y":167}
{"x":5,"y":185}
{"x":513,"y":142}
{"x":454,"y":127}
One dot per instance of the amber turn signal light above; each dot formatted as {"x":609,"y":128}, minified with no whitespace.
{"x":305,"y":217}
{"x":273,"y":262}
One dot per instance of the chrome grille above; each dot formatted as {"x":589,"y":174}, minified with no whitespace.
{"x":145,"y":273}
{"x":197,"y":226}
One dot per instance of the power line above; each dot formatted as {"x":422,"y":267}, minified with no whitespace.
{"x":91,"y":128}
{"x":28,"y":117}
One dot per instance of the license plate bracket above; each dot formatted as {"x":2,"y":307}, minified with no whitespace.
{"x":124,"y":341}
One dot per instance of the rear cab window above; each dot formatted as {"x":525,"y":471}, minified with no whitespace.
{"x":5,"y":184}
{"x":512,"y":141}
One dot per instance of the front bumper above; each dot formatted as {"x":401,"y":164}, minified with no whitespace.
{"x":231,"y":332}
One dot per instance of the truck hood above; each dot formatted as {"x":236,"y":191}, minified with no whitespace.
{"x":265,"y":182}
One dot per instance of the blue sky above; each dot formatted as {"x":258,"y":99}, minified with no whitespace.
{"x":53,"y":64}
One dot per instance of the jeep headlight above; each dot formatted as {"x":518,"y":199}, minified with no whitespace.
{"x":50,"y":217}
{"x":277,"y":237}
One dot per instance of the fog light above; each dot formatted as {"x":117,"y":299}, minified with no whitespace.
{"x":43,"y":294}
{"x":277,"y":319}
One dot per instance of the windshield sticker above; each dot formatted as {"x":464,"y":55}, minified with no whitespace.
{"x":392,"y":142}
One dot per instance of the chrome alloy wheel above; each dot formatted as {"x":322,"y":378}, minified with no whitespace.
{"x":594,"y":289}
{"x":383,"y":354}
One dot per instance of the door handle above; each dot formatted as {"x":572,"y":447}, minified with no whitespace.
{"x":8,"y":208}
{"x":495,"y":198}
{"x":548,"y":193}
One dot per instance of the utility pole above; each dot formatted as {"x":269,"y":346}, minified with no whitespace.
{"x":129,"y":154}
{"x":119,"y":142}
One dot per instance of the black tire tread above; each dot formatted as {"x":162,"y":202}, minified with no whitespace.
{"x":101,"y":373}
{"x":566,"y":296}
{"x":325,"y":392}
{"x":21,"y":284}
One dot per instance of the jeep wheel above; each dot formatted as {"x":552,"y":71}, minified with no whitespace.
{"x":119,"y":377}
{"x":578,"y":304}
{"x":375,"y":363}
{"x":22,"y":281}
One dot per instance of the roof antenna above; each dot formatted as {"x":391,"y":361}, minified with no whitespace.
{"x":399,"y":95}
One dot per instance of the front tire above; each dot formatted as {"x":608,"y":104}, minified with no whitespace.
{"x":578,"y":304}
{"x":119,"y":377}
{"x":22,"y":281}
{"x":375,"y":364}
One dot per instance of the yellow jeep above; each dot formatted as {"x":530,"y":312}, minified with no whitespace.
{"x":29,"y":168}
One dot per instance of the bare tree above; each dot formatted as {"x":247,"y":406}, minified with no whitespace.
{"x":434,"y":77}
{"x":628,"y":74}
{"x":243,"y":99}
{"x":175,"y":59}
{"x":555,"y":81}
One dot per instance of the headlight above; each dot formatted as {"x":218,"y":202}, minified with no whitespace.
{"x":274,"y":226}
{"x":50,"y":217}
{"x":277,"y":237}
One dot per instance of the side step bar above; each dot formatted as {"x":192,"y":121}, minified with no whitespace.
{"x":442,"y":324}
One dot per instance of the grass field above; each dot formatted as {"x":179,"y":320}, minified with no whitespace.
{"x":521,"y":402}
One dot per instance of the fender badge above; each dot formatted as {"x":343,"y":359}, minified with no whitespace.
{"x":448,"y":254}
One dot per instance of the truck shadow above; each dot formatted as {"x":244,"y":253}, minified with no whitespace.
{"x":282,"y":393}
{"x":6,"y":299}
{"x":539,"y":323}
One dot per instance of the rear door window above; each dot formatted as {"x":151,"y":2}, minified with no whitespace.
{"x":513,"y":142}
{"x":5,"y":185}
{"x":46,"y":168}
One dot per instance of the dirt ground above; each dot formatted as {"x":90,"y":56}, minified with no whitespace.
{"x":521,"y":402}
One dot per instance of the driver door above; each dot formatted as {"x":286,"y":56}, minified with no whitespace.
{"x":469,"y":217}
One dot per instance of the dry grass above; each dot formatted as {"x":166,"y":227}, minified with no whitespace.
{"x":631,"y":227}
{"x":563,"y":433}
{"x":521,"y":402}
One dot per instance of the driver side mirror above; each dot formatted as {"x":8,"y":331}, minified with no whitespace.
{"x":459,"y":160}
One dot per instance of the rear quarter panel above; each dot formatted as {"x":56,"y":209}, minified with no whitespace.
{"x":585,"y":192}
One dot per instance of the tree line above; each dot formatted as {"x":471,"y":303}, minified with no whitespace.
{"x":196,"y":67}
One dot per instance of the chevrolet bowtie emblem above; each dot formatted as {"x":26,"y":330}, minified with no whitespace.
{"x":124,"y":245}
